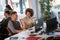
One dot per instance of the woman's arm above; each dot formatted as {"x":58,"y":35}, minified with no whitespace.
{"x":22,"y":23}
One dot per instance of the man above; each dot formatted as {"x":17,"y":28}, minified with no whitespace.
{"x":13,"y":25}
{"x":3,"y":31}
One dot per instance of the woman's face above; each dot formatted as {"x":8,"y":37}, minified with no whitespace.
{"x":7,"y":9}
{"x":6,"y":15}
{"x":28,"y":14}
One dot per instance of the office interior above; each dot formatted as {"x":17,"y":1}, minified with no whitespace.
{"x":46,"y":19}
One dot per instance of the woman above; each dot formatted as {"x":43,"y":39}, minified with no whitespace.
{"x":8,"y":8}
{"x":7,"y":16}
{"x":27,"y":20}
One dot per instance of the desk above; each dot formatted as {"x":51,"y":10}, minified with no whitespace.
{"x":25,"y":34}
{"x":22,"y":35}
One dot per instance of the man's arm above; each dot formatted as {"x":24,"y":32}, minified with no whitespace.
{"x":11,"y":27}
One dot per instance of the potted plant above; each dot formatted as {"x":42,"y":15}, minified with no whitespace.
{"x":45,"y":8}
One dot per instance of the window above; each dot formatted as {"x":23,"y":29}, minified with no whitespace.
{"x":2,"y":7}
{"x":19,"y":5}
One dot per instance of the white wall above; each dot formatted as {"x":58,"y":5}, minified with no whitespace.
{"x":39,"y":9}
{"x":32,"y":4}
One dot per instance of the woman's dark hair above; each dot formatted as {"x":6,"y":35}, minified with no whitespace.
{"x":29,"y":10}
{"x":14,"y":12}
{"x":8,"y":6}
{"x":7,"y":12}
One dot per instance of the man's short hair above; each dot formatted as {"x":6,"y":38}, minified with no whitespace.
{"x":14,"y":12}
{"x":7,"y":12}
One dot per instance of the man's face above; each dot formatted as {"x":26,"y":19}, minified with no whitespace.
{"x":15,"y":16}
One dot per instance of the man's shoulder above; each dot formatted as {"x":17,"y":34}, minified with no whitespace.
{"x":17,"y":22}
{"x":9,"y":18}
{"x":9,"y":21}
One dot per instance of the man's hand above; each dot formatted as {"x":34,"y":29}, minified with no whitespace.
{"x":19,"y":31}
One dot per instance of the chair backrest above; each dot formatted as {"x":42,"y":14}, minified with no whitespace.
{"x":51,"y":24}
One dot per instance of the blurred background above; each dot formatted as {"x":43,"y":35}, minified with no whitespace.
{"x":41,"y":7}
